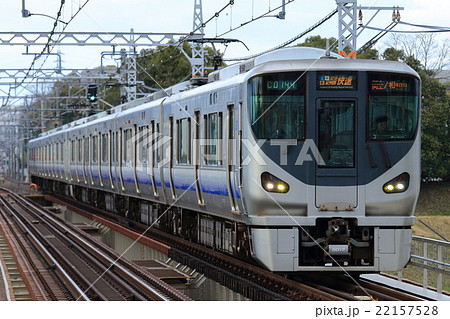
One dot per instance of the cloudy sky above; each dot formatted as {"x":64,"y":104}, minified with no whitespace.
{"x":177,"y":16}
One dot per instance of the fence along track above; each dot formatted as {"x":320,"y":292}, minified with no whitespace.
{"x":430,"y":256}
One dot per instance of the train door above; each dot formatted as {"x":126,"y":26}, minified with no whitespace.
{"x":170,"y":156}
{"x":161,"y":150}
{"x":336,"y":143}
{"x":68,"y":158}
{"x":230,"y":159}
{"x":152,"y":157}
{"x":92,"y":149}
{"x":100,"y":157}
{"x":85,"y":154}
{"x":134,"y":140}
{"x":78,"y":157}
{"x":196,"y":159}
{"x":120,"y":145}
{"x":110,"y":159}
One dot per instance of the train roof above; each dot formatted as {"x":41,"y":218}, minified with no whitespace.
{"x":304,"y":58}
{"x":310,"y":59}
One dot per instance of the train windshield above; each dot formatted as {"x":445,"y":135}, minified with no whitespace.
{"x":393,"y":106}
{"x":278,"y":105}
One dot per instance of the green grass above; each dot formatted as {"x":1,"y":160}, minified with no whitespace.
{"x":434,"y":199}
{"x":433,"y":208}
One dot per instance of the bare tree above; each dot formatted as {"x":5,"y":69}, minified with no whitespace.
{"x":434,"y":54}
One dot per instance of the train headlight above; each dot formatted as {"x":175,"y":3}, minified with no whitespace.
{"x":273,"y":184}
{"x":397,"y":185}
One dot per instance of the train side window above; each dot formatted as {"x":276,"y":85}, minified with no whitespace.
{"x":94,"y":148}
{"x":152,"y":143}
{"x":127,"y":146}
{"x":141,"y":148}
{"x":145,"y":144}
{"x":213,"y":137}
{"x":140,"y":144}
{"x":113,"y":146}
{"x":72,"y":151}
{"x":184,"y":141}
{"x":158,"y":146}
{"x":104,"y":147}
{"x":116,"y":147}
{"x":80,"y":153}
{"x":124,"y":145}
{"x":87,"y":154}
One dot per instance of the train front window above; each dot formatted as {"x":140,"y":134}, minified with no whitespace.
{"x":278,"y":105}
{"x":393,"y":106}
{"x":337,"y":132}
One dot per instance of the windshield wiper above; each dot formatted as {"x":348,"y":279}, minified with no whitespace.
{"x":386,"y":158}
{"x":372,"y":162}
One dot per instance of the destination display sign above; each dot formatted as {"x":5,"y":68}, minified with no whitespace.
{"x":281,"y":85}
{"x":336,"y":81}
{"x":402,"y":85}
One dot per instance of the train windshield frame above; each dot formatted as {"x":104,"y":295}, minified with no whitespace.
{"x":393,"y":106}
{"x":277,"y":103}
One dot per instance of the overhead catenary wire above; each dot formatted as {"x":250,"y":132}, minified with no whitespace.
{"x":376,"y":38}
{"x":48,"y":47}
{"x":326,"y":18}
{"x":407,"y":31}
{"x":424,"y":26}
{"x":264,"y":15}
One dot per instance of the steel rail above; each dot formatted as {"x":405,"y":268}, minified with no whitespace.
{"x":5,"y":282}
{"x":45,"y":252}
{"x":105,"y":263}
{"x":105,"y":256}
{"x":25,"y":256}
{"x":236,"y":274}
{"x":112,"y":280}
{"x":203,"y":260}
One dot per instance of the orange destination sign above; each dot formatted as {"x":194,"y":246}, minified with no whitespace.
{"x":336,"y":81}
{"x":389,"y":86}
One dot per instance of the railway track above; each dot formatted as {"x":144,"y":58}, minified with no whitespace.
{"x":91,"y":270}
{"x":249,"y":280}
{"x":357,"y":287}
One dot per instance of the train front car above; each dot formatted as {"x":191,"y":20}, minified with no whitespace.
{"x":333,"y":170}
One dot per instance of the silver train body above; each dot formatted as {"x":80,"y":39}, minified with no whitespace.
{"x":302,"y":163}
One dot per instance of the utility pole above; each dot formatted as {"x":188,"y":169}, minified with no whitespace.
{"x":347,"y":27}
{"x":198,"y":53}
{"x":348,"y":12}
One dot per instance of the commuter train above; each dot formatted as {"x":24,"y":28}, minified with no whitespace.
{"x":299,"y":159}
